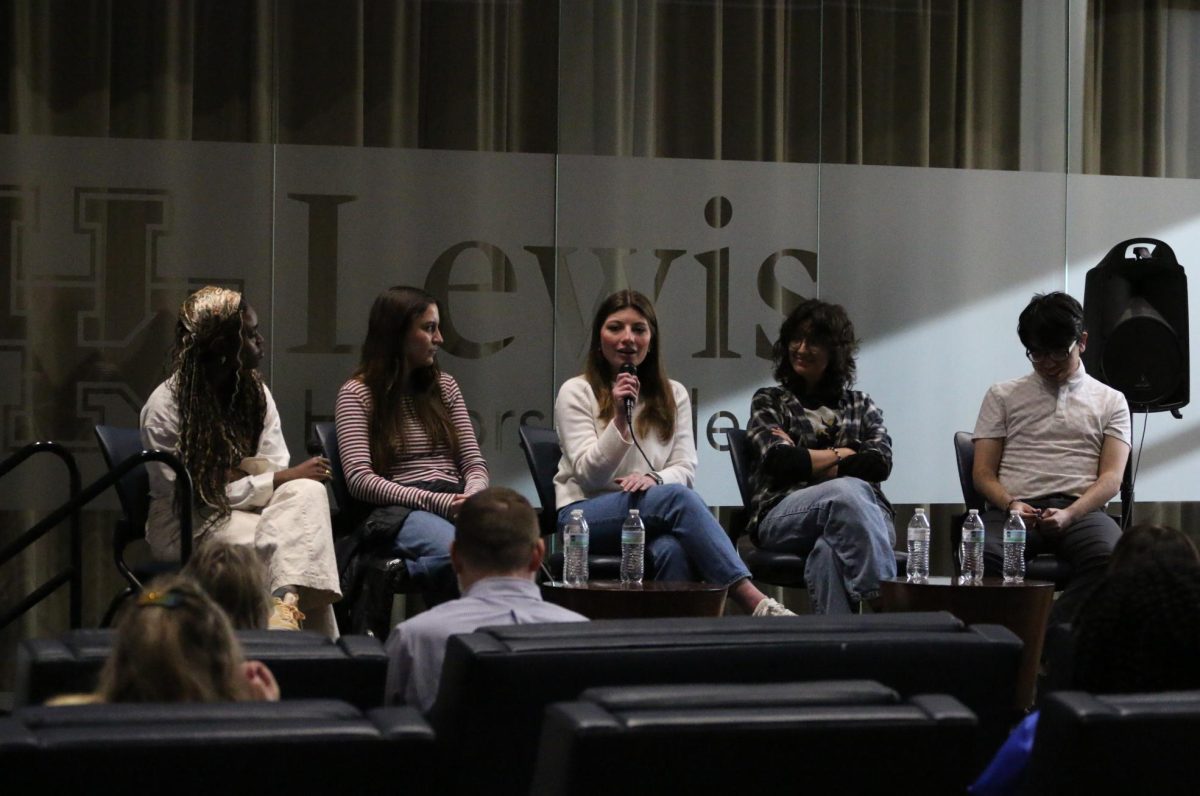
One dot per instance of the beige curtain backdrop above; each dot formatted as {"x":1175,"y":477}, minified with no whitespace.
{"x":1142,"y":88}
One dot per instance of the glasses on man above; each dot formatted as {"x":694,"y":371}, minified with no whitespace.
{"x":1058,"y":355}
{"x":811,"y":342}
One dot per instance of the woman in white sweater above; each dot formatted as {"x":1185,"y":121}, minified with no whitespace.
{"x":610,"y":464}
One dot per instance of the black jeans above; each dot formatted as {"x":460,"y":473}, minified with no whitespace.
{"x":1086,"y":545}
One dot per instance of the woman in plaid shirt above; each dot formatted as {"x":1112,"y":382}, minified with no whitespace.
{"x":821,"y":451}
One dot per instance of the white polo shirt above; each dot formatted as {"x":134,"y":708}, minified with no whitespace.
{"x":1052,"y":433}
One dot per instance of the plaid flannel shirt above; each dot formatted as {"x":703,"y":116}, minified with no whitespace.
{"x":859,"y":427}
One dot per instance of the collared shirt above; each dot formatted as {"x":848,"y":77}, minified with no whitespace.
{"x":858,"y":425}
{"x":417,"y":646}
{"x":1053,"y":433}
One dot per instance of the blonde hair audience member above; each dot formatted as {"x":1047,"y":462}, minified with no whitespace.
{"x":175,"y":644}
{"x":236,"y":579}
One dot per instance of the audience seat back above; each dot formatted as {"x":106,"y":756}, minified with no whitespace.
{"x":832,"y":736}
{"x":307,"y":665}
{"x":1117,"y":743}
{"x":498,"y":681}
{"x":306,"y":746}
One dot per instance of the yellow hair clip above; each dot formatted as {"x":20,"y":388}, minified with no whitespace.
{"x":161,"y":599}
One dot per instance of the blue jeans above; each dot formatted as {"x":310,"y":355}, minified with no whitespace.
{"x":846,"y":535}
{"x":683,"y":538}
{"x":424,"y":541}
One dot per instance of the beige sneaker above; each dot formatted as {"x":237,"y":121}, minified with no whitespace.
{"x":285,"y":614}
{"x":770,"y":607}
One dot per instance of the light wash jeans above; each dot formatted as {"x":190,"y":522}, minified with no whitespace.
{"x":847,"y":536}
{"x":683,"y":539}
{"x":424,"y":541}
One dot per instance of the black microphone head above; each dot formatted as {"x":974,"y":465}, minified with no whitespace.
{"x":629,"y":367}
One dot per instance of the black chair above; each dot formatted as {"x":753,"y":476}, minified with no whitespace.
{"x":357,"y":612}
{"x":310,"y":746}
{"x":307,"y":665}
{"x":542,"y":454}
{"x":716,"y":738}
{"x":133,"y":492}
{"x":1116,"y":743}
{"x":767,"y":566}
{"x":1042,"y":567}
{"x":347,"y":512}
{"x":496,"y":682}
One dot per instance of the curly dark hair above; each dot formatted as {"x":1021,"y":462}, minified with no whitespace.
{"x":1159,"y":542}
{"x":1140,"y":630}
{"x":828,"y":325}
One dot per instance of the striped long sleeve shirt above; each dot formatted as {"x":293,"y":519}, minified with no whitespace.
{"x":420,"y":461}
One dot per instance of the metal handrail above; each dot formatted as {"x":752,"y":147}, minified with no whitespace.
{"x":183,"y":485}
{"x":73,"y":574}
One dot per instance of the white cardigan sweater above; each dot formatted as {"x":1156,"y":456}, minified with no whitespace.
{"x":594,"y":454}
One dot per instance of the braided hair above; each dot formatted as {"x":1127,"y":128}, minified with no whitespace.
{"x":1140,"y":630}
{"x":220,"y":421}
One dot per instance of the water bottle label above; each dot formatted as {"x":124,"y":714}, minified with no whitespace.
{"x":918,"y":535}
{"x":633,"y":537}
{"x":972,"y":536}
{"x":576,"y":540}
{"x":1014,"y":537}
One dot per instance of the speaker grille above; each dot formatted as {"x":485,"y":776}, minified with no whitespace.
{"x":1144,"y":360}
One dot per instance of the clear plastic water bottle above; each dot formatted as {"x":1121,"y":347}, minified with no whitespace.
{"x":972,"y":549}
{"x":918,"y":547}
{"x":633,"y":548}
{"x":575,"y":549}
{"x":1014,"y":548}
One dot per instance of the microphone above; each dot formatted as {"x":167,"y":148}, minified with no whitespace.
{"x":629,"y":367}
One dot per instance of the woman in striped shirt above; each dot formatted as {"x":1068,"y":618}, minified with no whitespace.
{"x":407,"y":445}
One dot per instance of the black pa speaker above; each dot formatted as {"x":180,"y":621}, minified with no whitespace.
{"x":1136,"y":315}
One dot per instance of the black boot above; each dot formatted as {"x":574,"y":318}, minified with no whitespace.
{"x":383,"y":578}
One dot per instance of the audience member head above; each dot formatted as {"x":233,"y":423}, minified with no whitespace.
{"x":217,"y":388}
{"x":236,"y":579}
{"x":625,"y":330}
{"x":1151,"y":542}
{"x":399,"y":360}
{"x":827,"y":328}
{"x":174,"y":644}
{"x":1140,"y":630}
{"x":496,"y":534}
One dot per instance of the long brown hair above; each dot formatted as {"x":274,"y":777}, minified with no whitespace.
{"x":382,"y":370}
{"x":658,"y":402}
{"x":174,"y":644}
{"x":219,"y":424}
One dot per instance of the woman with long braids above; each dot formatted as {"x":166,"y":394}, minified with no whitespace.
{"x":612,"y":463}
{"x":217,"y":416}
{"x":408,"y":448}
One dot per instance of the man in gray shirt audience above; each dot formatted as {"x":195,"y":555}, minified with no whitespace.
{"x":496,"y":554}
{"x":1052,"y":445}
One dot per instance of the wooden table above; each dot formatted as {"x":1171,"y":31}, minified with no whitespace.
{"x":611,"y":599}
{"x":1021,"y":607}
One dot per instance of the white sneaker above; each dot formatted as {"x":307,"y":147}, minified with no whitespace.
{"x":771,"y":607}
